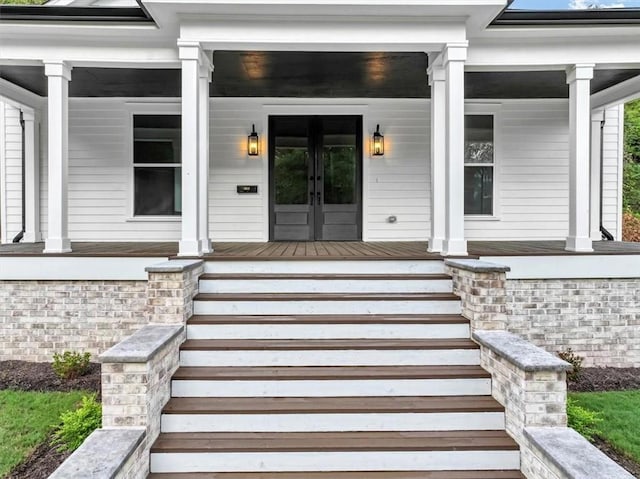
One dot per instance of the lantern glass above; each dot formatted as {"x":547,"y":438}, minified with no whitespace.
{"x":377,"y":147}
{"x":252,"y":143}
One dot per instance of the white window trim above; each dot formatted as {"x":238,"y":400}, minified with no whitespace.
{"x":145,"y":108}
{"x":494,"y":109}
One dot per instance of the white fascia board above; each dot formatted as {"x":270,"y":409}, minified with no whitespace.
{"x":592,"y":266}
{"x":515,"y":52}
{"x":322,"y":34}
{"x":75,"y":268}
{"x":621,"y":93}
{"x":87,"y":53}
{"x":19,"y":97}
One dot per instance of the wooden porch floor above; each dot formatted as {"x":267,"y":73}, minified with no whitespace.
{"x":322,"y":249}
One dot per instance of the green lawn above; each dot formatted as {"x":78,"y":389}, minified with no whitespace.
{"x":26,"y":418}
{"x":620,"y":413}
{"x":22,"y":2}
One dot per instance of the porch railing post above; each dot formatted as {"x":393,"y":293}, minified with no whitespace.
{"x":58,"y":77}
{"x":203,"y":208}
{"x":454,"y":56}
{"x":438,"y":155}
{"x":190,"y":56}
{"x":579,"y":80}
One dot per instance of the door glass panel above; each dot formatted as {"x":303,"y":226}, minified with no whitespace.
{"x":291,"y":162}
{"x":339,"y":159}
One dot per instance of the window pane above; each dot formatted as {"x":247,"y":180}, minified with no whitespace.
{"x":291,"y":161}
{"x":478,"y":139}
{"x":156,"y":138}
{"x":153,"y":151}
{"x":478,"y":190}
{"x":339,"y":158}
{"x":158,"y":191}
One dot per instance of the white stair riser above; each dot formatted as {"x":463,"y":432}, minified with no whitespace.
{"x":326,"y":307}
{"x":324,"y":286}
{"x":335,"y":461}
{"x":332,"y":388}
{"x":332,"y":422}
{"x":326,"y":267}
{"x":368,"y":357}
{"x":328,"y":331}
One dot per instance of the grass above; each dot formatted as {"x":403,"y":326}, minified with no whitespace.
{"x":620,"y":413}
{"x":26,"y":419}
{"x":22,"y":2}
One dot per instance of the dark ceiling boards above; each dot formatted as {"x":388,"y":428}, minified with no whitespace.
{"x":310,"y":75}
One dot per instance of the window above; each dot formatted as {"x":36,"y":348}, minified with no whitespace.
{"x":479,"y":164}
{"x":157,"y":171}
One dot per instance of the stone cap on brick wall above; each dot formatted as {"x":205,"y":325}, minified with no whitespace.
{"x":141,"y":346}
{"x":174,"y":266}
{"x":576,"y":457}
{"x":477,"y":266}
{"x":522,"y":353}
{"x":101,"y":455}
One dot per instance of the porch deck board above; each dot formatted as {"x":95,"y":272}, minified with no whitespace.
{"x":320,"y":250}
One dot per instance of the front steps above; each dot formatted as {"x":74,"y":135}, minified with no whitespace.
{"x":330,"y":369}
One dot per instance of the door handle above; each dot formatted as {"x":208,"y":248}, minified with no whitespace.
{"x":311,"y":198}
{"x":319,"y":198}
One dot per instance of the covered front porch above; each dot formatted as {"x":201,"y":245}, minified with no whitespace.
{"x":538,"y":165}
{"x":319,"y":250}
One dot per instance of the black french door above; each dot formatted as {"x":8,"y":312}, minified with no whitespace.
{"x":315,"y":176}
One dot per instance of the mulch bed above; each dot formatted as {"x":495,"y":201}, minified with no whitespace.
{"x":27,"y":376}
{"x":606,"y":379}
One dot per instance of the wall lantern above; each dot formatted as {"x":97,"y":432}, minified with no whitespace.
{"x":252,"y":142}
{"x":377,"y":143}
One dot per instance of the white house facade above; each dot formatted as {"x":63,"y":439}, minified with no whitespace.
{"x":538,"y":108}
{"x":320,"y":238}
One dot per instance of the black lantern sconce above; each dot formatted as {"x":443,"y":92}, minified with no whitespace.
{"x":377,"y":143}
{"x":253,"y":140}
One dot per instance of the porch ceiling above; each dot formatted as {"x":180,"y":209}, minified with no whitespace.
{"x":310,"y":75}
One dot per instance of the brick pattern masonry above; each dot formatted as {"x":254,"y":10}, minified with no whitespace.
{"x":597,"y":319}
{"x":38,"y":318}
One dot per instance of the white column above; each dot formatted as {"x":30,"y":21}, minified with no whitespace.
{"x":438,"y":152}
{"x":32,"y":179}
{"x":597,"y":120}
{"x":454,"y":57}
{"x":59,"y":75}
{"x":203,"y":154}
{"x":190,"y":240}
{"x":579,"y":79}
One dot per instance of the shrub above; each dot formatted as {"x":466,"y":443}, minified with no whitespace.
{"x":583,"y":420}
{"x":575,"y":361}
{"x":77,"y":425}
{"x":630,"y":227}
{"x":631,"y":187}
{"x":71,"y":365}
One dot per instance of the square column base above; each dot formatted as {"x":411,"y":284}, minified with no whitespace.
{"x":435,"y":245}
{"x":189,"y":248}
{"x":205,"y":246}
{"x":57,"y":245}
{"x":579,"y":244}
{"x":454,"y":247}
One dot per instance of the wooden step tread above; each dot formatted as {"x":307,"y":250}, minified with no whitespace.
{"x":344,"y":475}
{"x":326,"y":297}
{"x":330,"y":319}
{"x":332,"y":405}
{"x":324,"y":344}
{"x":207,"y":442}
{"x":274,"y":373}
{"x":315,"y":276}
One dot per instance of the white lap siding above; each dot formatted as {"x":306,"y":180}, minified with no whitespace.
{"x":531,"y":171}
{"x":612,"y":156}
{"x":10,"y":172}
